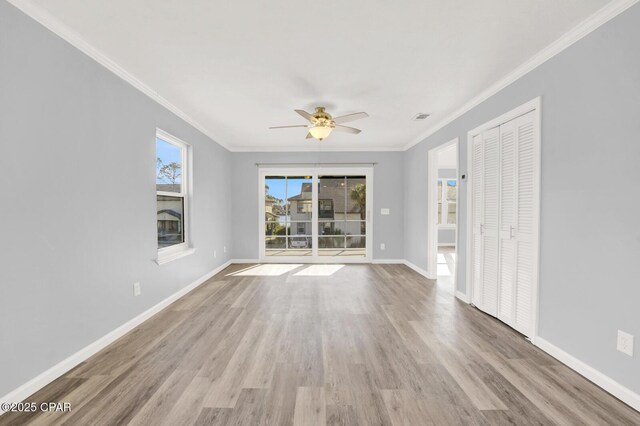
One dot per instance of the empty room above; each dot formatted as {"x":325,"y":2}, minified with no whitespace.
{"x":320,"y":213}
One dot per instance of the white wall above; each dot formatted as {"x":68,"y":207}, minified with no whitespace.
{"x":590,"y":233}
{"x":78,"y":214}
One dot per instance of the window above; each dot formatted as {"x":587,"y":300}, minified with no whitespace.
{"x":171,"y":195}
{"x":302,"y":229}
{"x":325,"y":209}
{"x":304,"y":206}
{"x":447,"y":202}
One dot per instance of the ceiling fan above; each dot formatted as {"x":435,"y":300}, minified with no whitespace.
{"x":322,"y":123}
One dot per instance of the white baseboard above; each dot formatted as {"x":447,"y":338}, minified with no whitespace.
{"x":624,"y":394}
{"x":418,"y":269}
{"x":43,"y":379}
{"x":463,"y":296}
{"x":245,"y":261}
{"x":388,"y":261}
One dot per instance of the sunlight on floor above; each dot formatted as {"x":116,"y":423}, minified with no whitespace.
{"x":446,"y":267}
{"x":288,"y":252}
{"x":319,"y":270}
{"x":266,"y":270}
{"x":443,"y":270}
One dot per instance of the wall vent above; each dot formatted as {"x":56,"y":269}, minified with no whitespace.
{"x":421,"y":116}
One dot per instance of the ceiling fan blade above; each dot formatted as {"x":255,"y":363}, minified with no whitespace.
{"x":347,"y":129}
{"x":288,"y":127}
{"x":306,"y":115}
{"x":350,"y":117}
{"x":309,"y":136}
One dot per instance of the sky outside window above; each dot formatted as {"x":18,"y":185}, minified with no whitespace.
{"x":167,"y":153}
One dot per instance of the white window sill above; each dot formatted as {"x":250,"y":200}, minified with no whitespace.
{"x":446,"y":227}
{"x":174,"y":255}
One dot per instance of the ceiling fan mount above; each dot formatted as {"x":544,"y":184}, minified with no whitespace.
{"x":322,"y":123}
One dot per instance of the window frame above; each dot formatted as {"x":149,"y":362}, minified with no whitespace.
{"x":176,"y":251}
{"x":444,"y":214}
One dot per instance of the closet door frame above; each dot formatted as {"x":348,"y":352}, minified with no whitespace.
{"x":533,"y":105}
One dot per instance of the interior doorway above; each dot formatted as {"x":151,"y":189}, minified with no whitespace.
{"x":443,"y":214}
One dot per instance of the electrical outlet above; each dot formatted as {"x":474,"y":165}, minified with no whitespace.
{"x":385,"y":212}
{"x":136,"y":289}
{"x":625,"y":343}
{"x":224,"y":249}
{"x":215,"y":254}
{"x":382,"y":246}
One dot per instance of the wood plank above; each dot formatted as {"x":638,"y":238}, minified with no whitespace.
{"x":310,"y":407}
{"x":369,"y":344}
{"x":482,"y":397}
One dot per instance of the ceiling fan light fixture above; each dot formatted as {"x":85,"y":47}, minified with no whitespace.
{"x":320,"y":132}
{"x":321,"y":123}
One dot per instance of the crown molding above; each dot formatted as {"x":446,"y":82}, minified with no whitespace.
{"x":317,"y":148}
{"x":54,"y":25}
{"x":593,"y":22}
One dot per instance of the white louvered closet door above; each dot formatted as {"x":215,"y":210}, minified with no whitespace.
{"x":526,"y":228}
{"x":507,"y":293}
{"x":505,"y":190}
{"x":476,"y":219}
{"x":490,"y":221}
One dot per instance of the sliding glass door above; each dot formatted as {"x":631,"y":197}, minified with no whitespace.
{"x":288,"y":216}
{"x":342,"y":215}
{"x":315,"y":214}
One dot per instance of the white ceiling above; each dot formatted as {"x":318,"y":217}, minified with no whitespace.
{"x":238,"y":67}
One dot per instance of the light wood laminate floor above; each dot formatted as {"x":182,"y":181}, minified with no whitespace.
{"x":307,"y":345}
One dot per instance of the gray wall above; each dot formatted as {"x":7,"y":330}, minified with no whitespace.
{"x":590,"y":233}
{"x":387,"y":192}
{"x":446,"y":237}
{"x":78,"y":201}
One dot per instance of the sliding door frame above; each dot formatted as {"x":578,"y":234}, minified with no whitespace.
{"x":315,"y":171}
{"x":533,"y":105}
